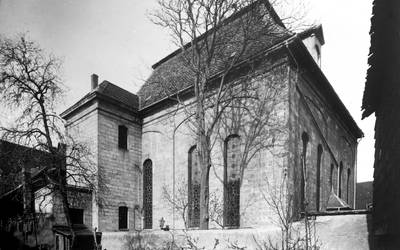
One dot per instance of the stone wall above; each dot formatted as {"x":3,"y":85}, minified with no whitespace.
{"x":341,"y":232}
{"x":83,"y":127}
{"x":311,"y":112}
{"x":119,"y":167}
{"x":167,"y":146}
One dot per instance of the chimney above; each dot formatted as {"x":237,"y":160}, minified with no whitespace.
{"x":95,"y":81}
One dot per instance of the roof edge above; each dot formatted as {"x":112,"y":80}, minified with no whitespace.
{"x":344,"y":112}
{"x":267,"y":4}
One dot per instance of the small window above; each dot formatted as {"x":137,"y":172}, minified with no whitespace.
{"x":303,"y":169}
{"x":340,"y":179}
{"x":76,"y":215}
{"x":122,"y":137}
{"x":123,"y":218}
{"x":348,"y":185}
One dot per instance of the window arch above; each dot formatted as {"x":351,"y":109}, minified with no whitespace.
{"x":122,"y":137}
{"x":232,"y":181}
{"x":194,"y":178}
{"x":305,"y":139}
{"x":318,"y":186}
{"x":123,"y":217}
{"x":148,"y":194}
{"x":348,"y":185}
{"x":340,"y":177}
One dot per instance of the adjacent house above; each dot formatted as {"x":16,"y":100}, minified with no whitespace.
{"x":381,"y":96}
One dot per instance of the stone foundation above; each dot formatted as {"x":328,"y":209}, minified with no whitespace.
{"x":332,"y":232}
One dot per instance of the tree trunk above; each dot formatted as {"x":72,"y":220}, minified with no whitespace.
{"x":204,"y":192}
{"x":203,"y":150}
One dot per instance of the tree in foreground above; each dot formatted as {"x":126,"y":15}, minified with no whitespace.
{"x":30,"y":85}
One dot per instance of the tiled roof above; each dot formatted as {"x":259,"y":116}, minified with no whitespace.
{"x":119,"y":94}
{"x":111,"y":92}
{"x":172,"y":74}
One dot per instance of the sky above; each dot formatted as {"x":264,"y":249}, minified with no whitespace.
{"x":116,"y":40}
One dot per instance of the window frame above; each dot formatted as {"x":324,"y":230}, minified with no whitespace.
{"x":122,"y":137}
{"x":193,"y":221}
{"x":229,"y":196}
{"x":120,"y":210}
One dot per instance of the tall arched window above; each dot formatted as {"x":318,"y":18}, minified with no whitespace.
{"x":318,"y":186}
{"x":340,"y":177}
{"x":194,"y":179}
{"x":123,"y":218}
{"x":232,"y":181}
{"x":305,"y":138}
{"x":148,"y":194}
{"x":331,"y":177}
{"x":348,"y":185}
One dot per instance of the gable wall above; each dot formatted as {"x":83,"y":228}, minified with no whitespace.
{"x":327,"y":125}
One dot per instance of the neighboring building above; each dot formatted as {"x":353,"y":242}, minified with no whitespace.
{"x":30,"y":210}
{"x":364,"y":195}
{"x":144,"y":152}
{"x":382,"y":97}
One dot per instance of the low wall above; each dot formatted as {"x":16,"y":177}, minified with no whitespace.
{"x":332,"y":232}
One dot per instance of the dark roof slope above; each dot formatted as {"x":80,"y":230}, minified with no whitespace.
{"x":111,"y":92}
{"x":172,"y":74}
{"x":119,"y":94}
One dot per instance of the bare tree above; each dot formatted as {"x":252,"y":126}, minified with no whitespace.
{"x":293,"y":234}
{"x":180,"y":203}
{"x":30,"y":84}
{"x":216,"y":40}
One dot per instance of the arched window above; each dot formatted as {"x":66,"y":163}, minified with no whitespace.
{"x":348,"y":185}
{"x":318,"y":186}
{"x":232,"y":181}
{"x":194,"y":179}
{"x":123,"y":218}
{"x":340,"y":177}
{"x":331,"y":177}
{"x":305,"y":138}
{"x":122,"y":137}
{"x":148,"y":194}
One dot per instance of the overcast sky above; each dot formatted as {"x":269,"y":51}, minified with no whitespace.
{"x":116,"y":40}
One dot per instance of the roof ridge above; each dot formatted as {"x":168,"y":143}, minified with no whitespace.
{"x":229,"y":19}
